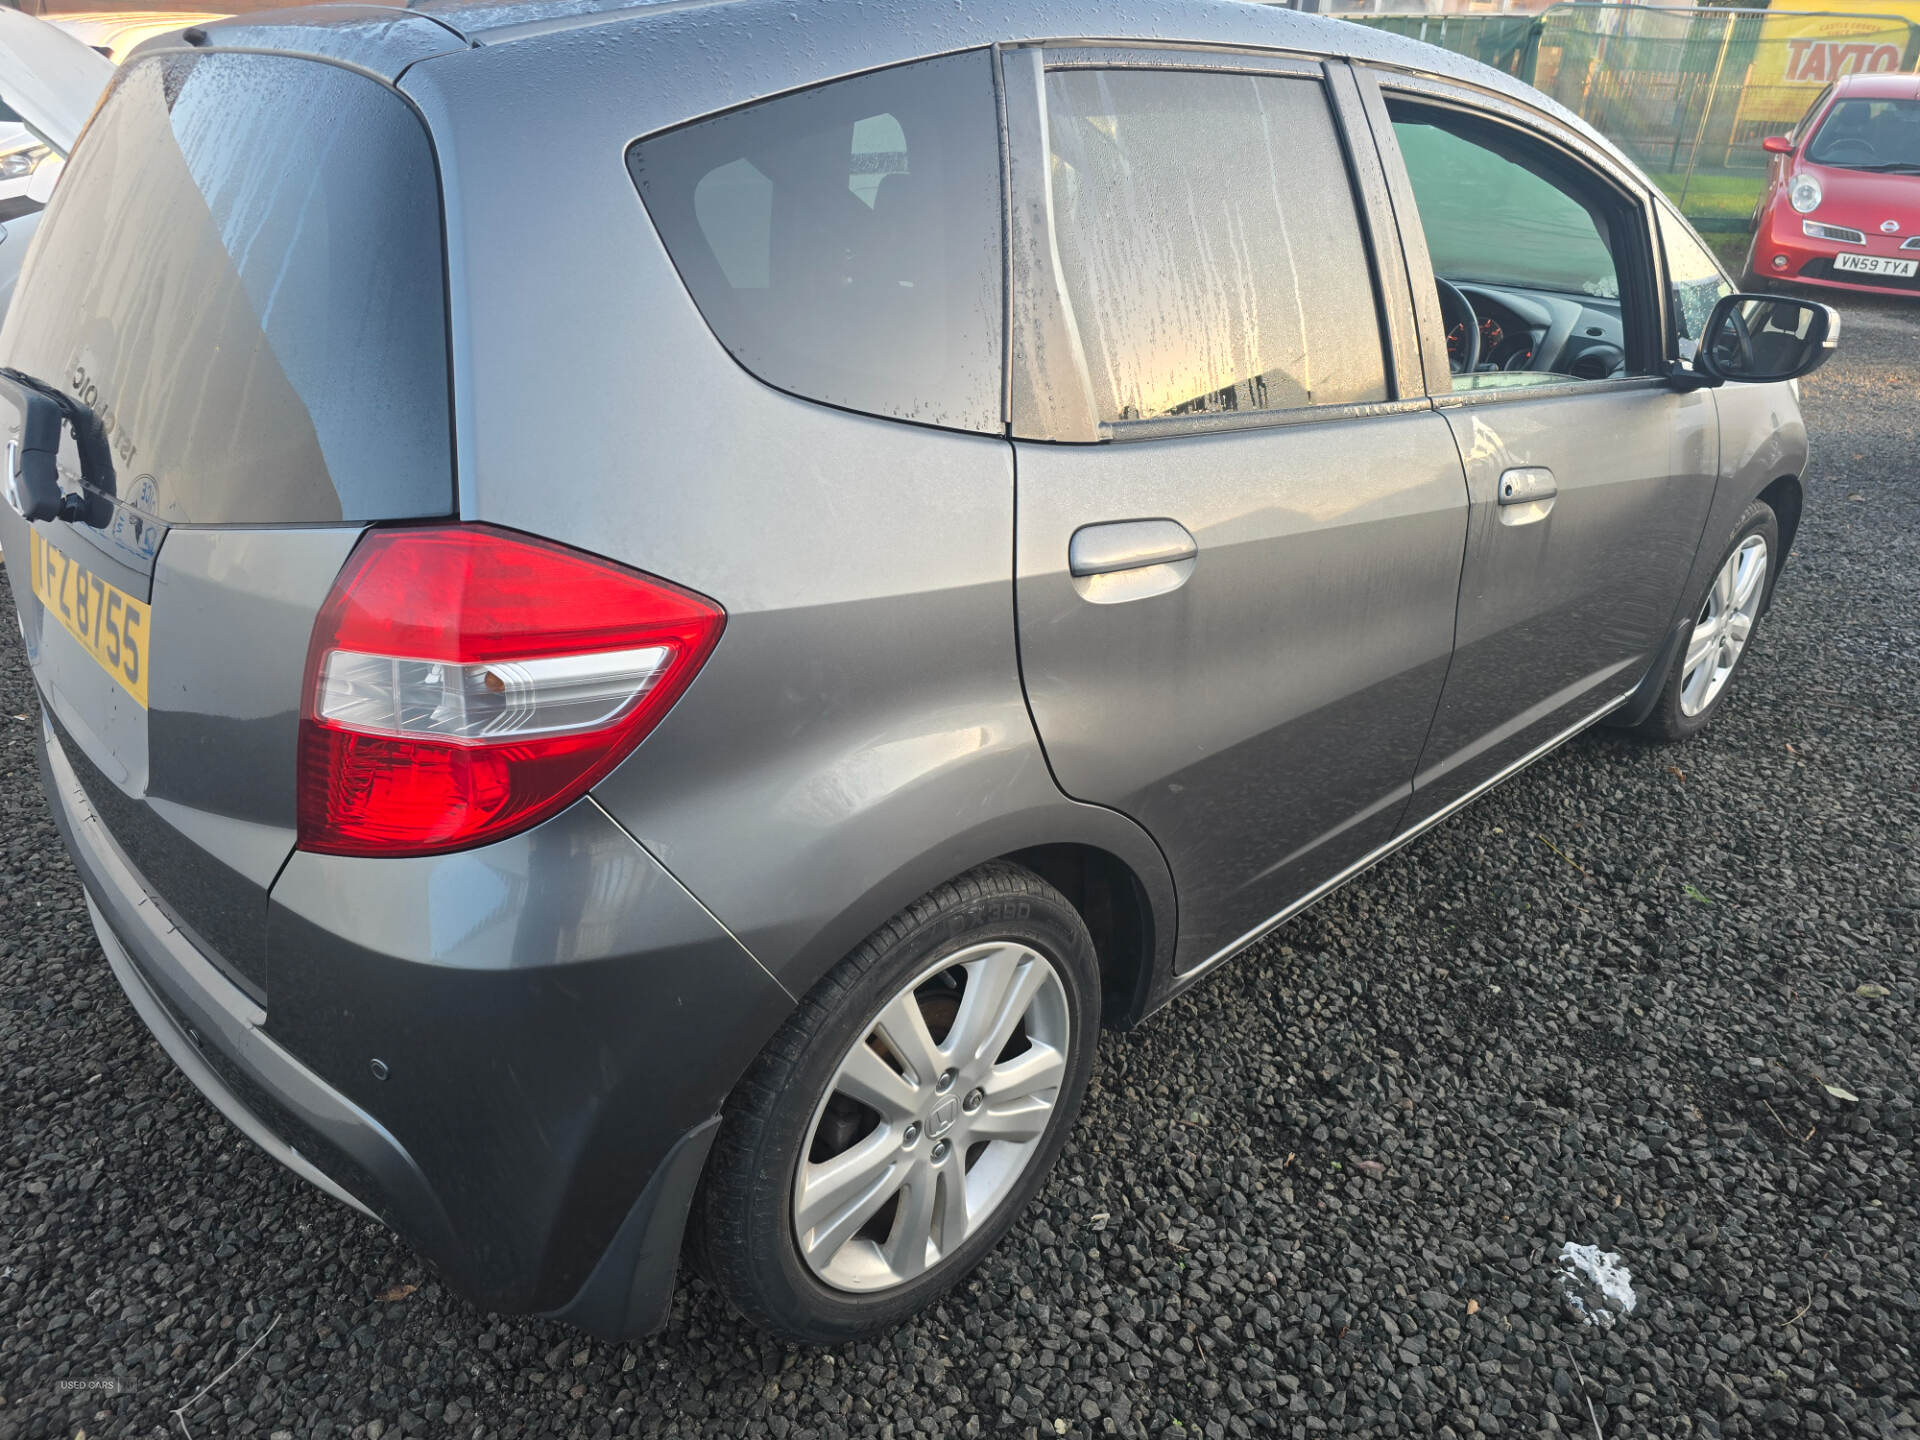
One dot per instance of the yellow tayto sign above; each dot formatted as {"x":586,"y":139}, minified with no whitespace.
{"x":1812,"y":60}
{"x":1800,"y":52}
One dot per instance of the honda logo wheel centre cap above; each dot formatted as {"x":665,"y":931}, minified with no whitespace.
{"x":940,"y":1119}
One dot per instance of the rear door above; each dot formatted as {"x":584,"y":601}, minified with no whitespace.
{"x":1590,"y":475}
{"x":1239,"y":526}
{"x":240,"y":279}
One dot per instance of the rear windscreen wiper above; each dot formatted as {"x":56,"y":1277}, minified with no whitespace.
{"x":31,"y":414}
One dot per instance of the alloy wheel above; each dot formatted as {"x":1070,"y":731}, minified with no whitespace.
{"x":1725,"y":622}
{"x":932,"y":1117}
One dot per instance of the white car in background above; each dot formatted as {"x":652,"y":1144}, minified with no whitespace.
{"x":21,"y":152}
{"x":52,"y":72}
{"x":49,"y":81}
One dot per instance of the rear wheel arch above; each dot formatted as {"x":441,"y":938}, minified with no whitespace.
{"x":1117,"y":911}
{"x":1095,"y":856}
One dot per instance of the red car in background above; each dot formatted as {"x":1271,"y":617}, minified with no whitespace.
{"x":1842,"y":206}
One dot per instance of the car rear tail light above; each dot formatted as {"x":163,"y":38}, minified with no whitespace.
{"x":465,"y":683}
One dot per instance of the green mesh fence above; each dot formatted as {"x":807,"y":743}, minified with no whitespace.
{"x":1689,"y":94}
{"x":1503,"y":41}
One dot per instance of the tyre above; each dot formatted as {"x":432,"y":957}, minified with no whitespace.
{"x":893,"y":1130}
{"x":1723,"y":623}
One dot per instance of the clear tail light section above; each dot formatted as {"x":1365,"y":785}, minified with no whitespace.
{"x":466,"y":682}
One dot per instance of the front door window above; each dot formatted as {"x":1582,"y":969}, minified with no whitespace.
{"x":1525,"y":253}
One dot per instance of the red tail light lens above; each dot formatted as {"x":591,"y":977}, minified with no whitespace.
{"x":465,"y":683}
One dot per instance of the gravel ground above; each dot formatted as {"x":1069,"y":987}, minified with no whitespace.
{"x":1327,"y":1192}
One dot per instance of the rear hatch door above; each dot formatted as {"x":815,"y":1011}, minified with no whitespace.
{"x":240,"y":281}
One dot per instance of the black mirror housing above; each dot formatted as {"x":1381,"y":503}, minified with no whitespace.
{"x":30,"y":427}
{"x":1758,"y":339}
{"x":31,"y":415}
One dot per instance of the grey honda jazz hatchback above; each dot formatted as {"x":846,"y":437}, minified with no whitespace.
{"x":647,"y":617}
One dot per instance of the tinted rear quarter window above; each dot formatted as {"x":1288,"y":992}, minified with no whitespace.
{"x":1208,"y":243}
{"x":242,"y":272}
{"x":844,"y":243}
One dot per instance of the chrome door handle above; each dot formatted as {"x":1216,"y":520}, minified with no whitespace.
{"x":1128,"y":545}
{"x":1130,"y":559}
{"x":1526,"y":494}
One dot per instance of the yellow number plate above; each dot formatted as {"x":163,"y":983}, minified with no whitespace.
{"x":110,"y":624}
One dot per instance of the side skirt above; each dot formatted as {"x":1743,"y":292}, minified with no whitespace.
{"x":1365,"y":862}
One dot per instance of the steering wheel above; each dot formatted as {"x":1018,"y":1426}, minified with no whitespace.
{"x":1741,"y":345}
{"x":1867,"y":152}
{"x":1456,"y":309}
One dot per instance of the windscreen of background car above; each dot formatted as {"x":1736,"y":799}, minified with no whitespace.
{"x":1208,"y":242}
{"x":1869,"y":135}
{"x":844,"y":243}
{"x":1490,"y":218}
{"x":241,"y":272}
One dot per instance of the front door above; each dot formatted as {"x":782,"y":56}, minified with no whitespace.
{"x":1590,"y":476}
{"x":1237,"y":551}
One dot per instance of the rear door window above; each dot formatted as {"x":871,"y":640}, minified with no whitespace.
{"x":242,"y":273}
{"x":1208,"y":244}
{"x":844,"y":243}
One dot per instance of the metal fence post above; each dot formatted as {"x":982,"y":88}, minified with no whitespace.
{"x":1529,"y":61}
{"x":1713,"y":90}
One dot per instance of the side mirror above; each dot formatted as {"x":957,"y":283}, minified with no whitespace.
{"x":1762,"y":338}
{"x":1777,"y":145}
{"x":30,"y":421}
{"x":31,"y":415}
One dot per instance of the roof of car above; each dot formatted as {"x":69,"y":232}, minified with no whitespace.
{"x":773,"y":45}
{"x":116,"y":32}
{"x":1879,"y":87}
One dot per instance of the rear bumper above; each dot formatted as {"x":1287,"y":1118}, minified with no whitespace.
{"x":549,"y":1095}
{"x":293,"y":1085}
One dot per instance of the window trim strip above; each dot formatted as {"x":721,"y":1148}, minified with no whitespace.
{"x":1496,"y":395}
{"x":1164,"y":426}
{"x":1129,"y":55}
